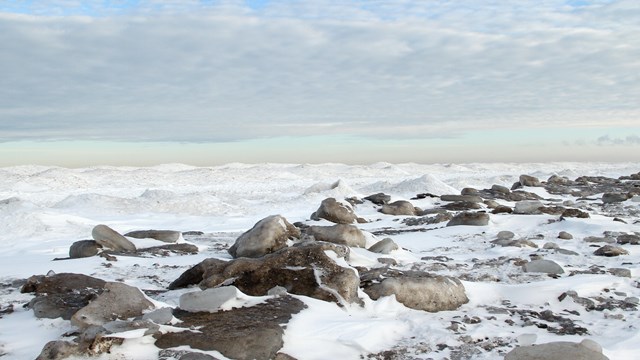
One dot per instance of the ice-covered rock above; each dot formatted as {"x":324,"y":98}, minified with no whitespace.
{"x":209,"y":299}
{"x":528,"y":207}
{"x":585,"y":350}
{"x":543,"y":266}
{"x":334,"y":211}
{"x":341,"y":234}
{"x":266,"y":236}
{"x":384,"y":246}
{"x":111,"y":239}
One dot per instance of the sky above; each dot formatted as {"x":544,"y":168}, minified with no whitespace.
{"x":144,"y":82}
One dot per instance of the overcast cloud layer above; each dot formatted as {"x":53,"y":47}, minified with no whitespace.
{"x":227,"y":71}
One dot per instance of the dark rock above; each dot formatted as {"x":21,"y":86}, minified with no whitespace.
{"x":595,"y":239}
{"x":168,"y":236}
{"x":302,"y":269}
{"x":610,"y":198}
{"x":84,"y":248}
{"x":463,"y":198}
{"x":500,"y":189}
{"x":416,"y":290}
{"x":334,"y":211}
{"x":61,"y":295}
{"x":628,"y":239}
{"x":338,"y":234}
{"x":469,"y":191}
{"x":502,"y":209}
{"x":400,"y":207}
{"x":575,"y":213}
{"x":111,"y":239}
{"x":192,"y":233}
{"x":267,"y":235}
{"x":527,"y":180}
{"x":470,"y":218}
{"x":516,"y":185}
{"x":166,"y":250}
{"x":610,"y":251}
{"x":428,"y":220}
{"x":462,"y":206}
{"x":379,"y":198}
{"x":620,"y":272}
{"x":243,"y":333}
{"x":424,"y":196}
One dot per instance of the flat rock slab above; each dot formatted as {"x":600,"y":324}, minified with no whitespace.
{"x":555,"y":350}
{"x":470,"y":219}
{"x":168,"y":236}
{"x":109,"y":238}
{"x":243,"y":333}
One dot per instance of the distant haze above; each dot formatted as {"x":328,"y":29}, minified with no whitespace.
{"x":208,"y":82}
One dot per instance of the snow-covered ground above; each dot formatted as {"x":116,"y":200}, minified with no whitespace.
{"x":43,"y":210}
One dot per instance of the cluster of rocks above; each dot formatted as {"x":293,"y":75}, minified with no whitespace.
{"x":281,"y":261}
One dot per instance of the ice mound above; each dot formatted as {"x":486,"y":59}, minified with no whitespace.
{"x":424,"y":184}
{"x":338,"y":190}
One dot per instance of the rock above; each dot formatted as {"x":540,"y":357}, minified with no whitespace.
{"x":428,"y":220}
{"x":302,"y":269}
{"x":527,"y":180}
{"x":168,"y":236}
{"x":462,"y":206}
{"x":109,"y":238}
{"x":610,"y":198}
{"x":564,"y":235}
{"x":118,"y":301}
{"x":470,"y":218}
{"x":341,"y":234}
{"x":491,"y":204}
{"x":500,"y":189}
{"x":595,"y":239}
{"x":556,"y":350}
{"x":166,"y":250}
{"x":58,"y":350}
{"x":162,"y":316}
{"x":61,"y":295}
{"x":505,"y":235}
{"x":620,"y":272}
{"x":610,"y":251}
{"x":334,"y":211}
{"x":528,"y":207}
{"x":575,"y":213}
{"x":566,"y":252}
{"x":399,"y":208}
{"x":209,"y":299}
{"x":266,"y":236}
{"x":416,"y":290}
{"x":384,"y":246}
{"x":628,"y":239}
{"x":516,"y":185}
{"x":502,"y":209}
{"x":464,"y":198}
{"x":558,"y":180}
{"x":243,"y":333}
{"x":543,"y":266}
{"x":469,"y":191}
{"x":551,"y":246}
{"x":379,"y":198}
{"x":515,"y":243}
{"x":84,"y":248}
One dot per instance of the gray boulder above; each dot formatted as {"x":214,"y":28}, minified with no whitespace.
{"x":416,"y":290}
{"x":111,"y":239}
{"x":267,"y":235}
{"x":564,"y":235}
{"x":334,"y":211}
{"x":628,"y":239}
{"x":302,"y":269}
{"x":160,"y":316}
{"x":58,"y":350}
{"x":500,"y":189}
{"x":84,"y":248}
{"x":470,"y":219}
{"x":400,"y":208}
{"x":528,"y":207}
{"x":469,"y":191}
{"x":118,"y":301}
{"x":341,"y":234}
{"x":168,"y":236}
{"x":505,"y":235}
{"x":543,"y":266}
{"x":527,"y":180}
{"x":610,"y":251}
{"x":209,"y":299}
{"x":610,"y":198}
{"x":384,"y":246}
{"x":586,"y":350}
{"x":515,"y":243}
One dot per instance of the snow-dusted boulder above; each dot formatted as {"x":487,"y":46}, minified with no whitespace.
{"x":334,"y":211}
{"x":210,"y":299}
{"x":414,"y":289}
{"x":267,"y":235}
{"x":400,"y":207}
{"x":384,"y":246}
{"x":470,"y":218}
{"x":528,"y":207}
{"x":341,"y":234}
{"x":543,"y":266}
{"x":84,"y":248}
{"x":528,"y":180}
{"x":585,"y":350}
{"x":111,"y":239}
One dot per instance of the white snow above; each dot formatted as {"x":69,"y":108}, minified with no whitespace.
{"x":43,"y":210}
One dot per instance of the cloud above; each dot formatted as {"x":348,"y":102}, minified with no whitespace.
{"x":224,"y":70}
{"x":607,"y":140}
